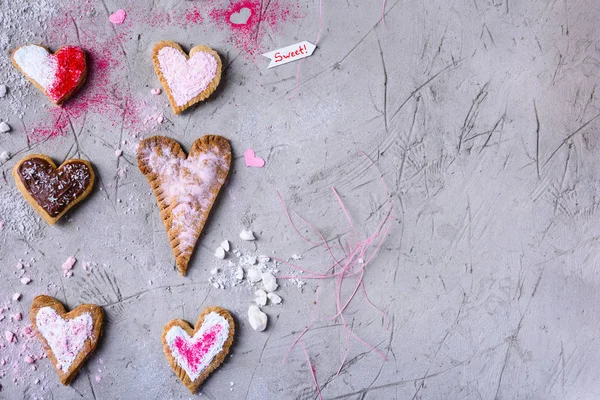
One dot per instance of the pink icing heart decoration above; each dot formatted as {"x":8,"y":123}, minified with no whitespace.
{"x":252,"y":160}
{"x":58,"y":75}
{"x":118,"y":17}
{"x":195,"y":353}
{"x":187,"y":79}
{"x":68,"y":338}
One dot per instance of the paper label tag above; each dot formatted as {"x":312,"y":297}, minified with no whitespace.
{"x":290,"y":53}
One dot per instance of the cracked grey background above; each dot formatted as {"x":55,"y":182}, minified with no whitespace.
{"x":482,"y":116}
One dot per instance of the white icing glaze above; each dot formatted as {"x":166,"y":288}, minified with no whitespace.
{"x":37,"y":64}
{"x":65,"y":338}
{"x":210,"y":320}
{"x":186,"y":77}
{"x":186,"y":184}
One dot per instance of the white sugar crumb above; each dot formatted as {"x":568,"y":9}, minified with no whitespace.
{"x":257,"y":319}
{"x":247,"y":235}
{"x":296,"y":257}
{"x":269,"y":282}
{"x":220,"y":253}
{"x":4,"y":127}
{"x":4,"y":156}
{"x":25,"y":280}
{"x":254,"y":275}
{"x":239,"y":274}
{"x":118,"y":153}
{"x":214,"y":271}
{"x":3,"y":91}
{"x":260,"y":297}
{"x":16,"y":297}
{"x":225,"y":245}
{"x":275,"y":299}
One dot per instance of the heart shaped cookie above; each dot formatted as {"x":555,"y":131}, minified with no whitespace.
{"x":53,"y":191}
{"x":57,"y":75}
{"x":67,"y":337}
{"x":187,"y":79}
{"x":185,"y":186}
{"x":195,"y":353}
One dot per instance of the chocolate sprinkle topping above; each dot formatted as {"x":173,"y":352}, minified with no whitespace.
{"x":54,"y":189}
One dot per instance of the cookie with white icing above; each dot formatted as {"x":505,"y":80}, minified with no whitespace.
{"x":194,"y":353}
{"x":53,"y":191}
{"x":187,"y":79}
{"x":185,"y":187}
{"x":67,"y":337}
{"x":57,"y":75}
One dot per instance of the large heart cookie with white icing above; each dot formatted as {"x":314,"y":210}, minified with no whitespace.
{"x":57,"y":75}
{"x":194,"y":353}
{"x":185,"y":187}
{"x":67,"y":337}
{"x":187,"y":79}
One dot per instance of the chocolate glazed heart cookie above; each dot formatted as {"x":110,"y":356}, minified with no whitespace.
{"x":53,"y":191}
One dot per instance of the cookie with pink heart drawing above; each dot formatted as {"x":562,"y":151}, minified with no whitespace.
{"x":67,"y":337}
{"x":187,"y":79}
{"x":185,"y":187}
{"x":57,"y":75}
{"x":194,"y":353}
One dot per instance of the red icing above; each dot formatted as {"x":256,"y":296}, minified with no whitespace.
{"x":71,"y":66}
{"x":194,"y":354}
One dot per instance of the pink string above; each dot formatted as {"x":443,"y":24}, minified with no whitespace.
{"x":351,"y":264}
{"x":312,"y":371}
{"x":312,"y":320}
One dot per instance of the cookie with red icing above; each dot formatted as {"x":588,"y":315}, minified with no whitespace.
{"x":194,"y":353}
{"x":185,"y":187}
{"x":53,"y":191}
{"x":67,"y":337}
{"x":187,"y":79}
{"x":57,"y":75}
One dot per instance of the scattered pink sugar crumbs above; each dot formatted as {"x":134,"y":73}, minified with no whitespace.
{"x":350,"y":262}
{"x":68,"y":266}
{"x":248,"y":36}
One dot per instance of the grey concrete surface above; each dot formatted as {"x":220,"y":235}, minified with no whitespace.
{"x":481,"y":115}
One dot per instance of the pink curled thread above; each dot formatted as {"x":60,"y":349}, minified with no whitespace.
{"x":356,"y":258}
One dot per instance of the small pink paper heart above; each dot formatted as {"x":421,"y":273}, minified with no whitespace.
{"x":118,"y":17}
{"x":252,"y":160}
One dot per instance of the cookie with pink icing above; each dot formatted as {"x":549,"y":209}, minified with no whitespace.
{"x":57,"y":75}
{"x":194,"y":353}
{"x":185,"y":187}
{"x":187,"y":79}
{"x":67,"y":337}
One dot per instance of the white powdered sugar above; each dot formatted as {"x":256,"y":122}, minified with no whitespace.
{"x":195,"y":354}
{"x":37,"y":64}
{"x":65,"y":337}
{"x":17,"y":216}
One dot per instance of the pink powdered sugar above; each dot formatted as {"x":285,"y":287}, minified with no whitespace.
{"x":186,"y":78}
{"x":248,"y":36}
